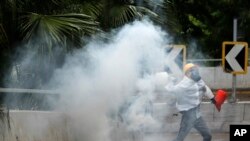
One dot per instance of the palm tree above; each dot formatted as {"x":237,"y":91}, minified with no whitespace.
{"x":47,"y":26}
{"x":113,"y":13}
{"x":54,"y":29}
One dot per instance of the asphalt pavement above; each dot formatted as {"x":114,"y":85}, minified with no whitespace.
{"x":190,"y":137}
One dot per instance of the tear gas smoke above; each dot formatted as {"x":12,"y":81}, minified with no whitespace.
{"x":112,"y":81}
{"x":109,"y":83}
{"x":194,"y":47}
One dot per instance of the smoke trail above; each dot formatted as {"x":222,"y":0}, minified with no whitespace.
{"x":95,"y":82}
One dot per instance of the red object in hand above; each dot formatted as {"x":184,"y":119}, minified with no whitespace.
{"x":220,"y":99}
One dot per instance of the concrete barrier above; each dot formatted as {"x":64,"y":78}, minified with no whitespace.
{"x":216,"y":78}
{"x":33,"y":126}
{"x":18,"y":125}
{"x":238,"y":113}
{"x":54,"y":126}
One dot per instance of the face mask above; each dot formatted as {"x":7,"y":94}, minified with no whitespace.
{"x":195,"y":75}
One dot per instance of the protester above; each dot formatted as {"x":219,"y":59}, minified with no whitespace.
{"x":188,"y":93}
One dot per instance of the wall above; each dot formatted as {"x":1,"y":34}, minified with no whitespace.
{"x":238,"y":113}
{"x":33,"y":126}
{"x":216,"y":78}
{"x":51,"y":126}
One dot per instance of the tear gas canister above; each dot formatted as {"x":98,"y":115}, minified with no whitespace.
{"x":220,"y":98}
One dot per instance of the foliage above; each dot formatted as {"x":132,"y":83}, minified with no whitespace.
{"x":208,"y":23}
{"x":48,"y":24}
{"x":63,"y":23}
{"x":55,"y":28}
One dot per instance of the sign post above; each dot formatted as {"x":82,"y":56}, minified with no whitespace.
{"x":233,"y":97}
{"x":234,"y":59}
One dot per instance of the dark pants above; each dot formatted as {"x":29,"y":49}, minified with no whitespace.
{"x":190,"y":120}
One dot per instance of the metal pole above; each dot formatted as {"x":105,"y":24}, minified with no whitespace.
{"x":233,"y":97}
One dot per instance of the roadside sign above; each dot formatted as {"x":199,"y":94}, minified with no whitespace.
{"x":175,"y":59}
{"x":235,"y":57}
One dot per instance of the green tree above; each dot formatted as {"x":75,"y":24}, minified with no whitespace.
{"x":47,"y":24}
{"x":208,"y":23}
{"x":47,"y":30}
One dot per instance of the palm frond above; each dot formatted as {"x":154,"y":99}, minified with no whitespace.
{"x":3,"y":37}
{"x":147,"y":12}
{"x":122,"y":14}
{"x":171,"y":17}
{"x":57,"y":27}
{"x":92,"y":9}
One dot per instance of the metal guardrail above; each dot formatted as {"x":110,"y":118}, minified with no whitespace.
{"x":203,"y":60}
{"x":53,"y":92}
{"x":238,"y":89}
{"x":34,"y":91}
{"x":218,"y":59}
{"x":207,"y":60}
{"x":36,"y":99}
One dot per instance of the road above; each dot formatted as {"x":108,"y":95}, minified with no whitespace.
{"x":190,"y":137}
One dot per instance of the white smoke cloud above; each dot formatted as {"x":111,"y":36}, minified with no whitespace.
{"x":95,"y":81}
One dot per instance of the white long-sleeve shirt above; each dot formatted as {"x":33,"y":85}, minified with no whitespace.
{"x":189,"y":93}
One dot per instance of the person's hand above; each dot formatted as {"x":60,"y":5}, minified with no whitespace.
{"x":213,"y":100}
{"x":172,"y":80}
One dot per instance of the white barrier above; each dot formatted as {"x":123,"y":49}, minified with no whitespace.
{"x":33,"y":126}
{"x":216,"y":78}
{"x":54,"y":126}
{"x":237,"y":113}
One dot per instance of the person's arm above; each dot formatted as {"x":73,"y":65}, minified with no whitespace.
{"x":171,"y":93}
{"x":210,"y":94}
{"x":171,"y":88}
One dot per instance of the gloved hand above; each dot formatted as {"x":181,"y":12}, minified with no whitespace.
{"x":213,"y":100}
